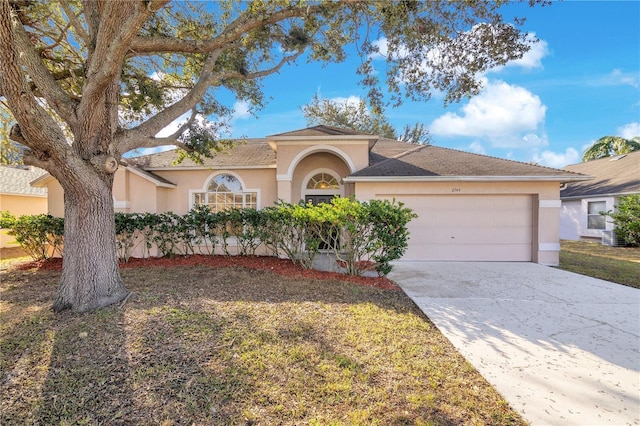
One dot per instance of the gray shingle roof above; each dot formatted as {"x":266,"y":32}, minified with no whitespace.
{"x":434,"y":161}
{"x":387,"y":159}
{"x":612,"y":176}
{"x":247,"y":152}
{"x":16,"y":181}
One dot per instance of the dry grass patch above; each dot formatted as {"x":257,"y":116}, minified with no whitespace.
{"x":202,"y":345}
{"x":616,"y":264}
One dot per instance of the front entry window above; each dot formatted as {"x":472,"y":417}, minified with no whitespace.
{"x":225,"y":192}
{"x":323,"y":181}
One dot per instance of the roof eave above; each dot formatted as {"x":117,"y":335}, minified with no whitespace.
{"x":19,"y":194}
{"x":156,"y":182}
{"x":582,"y":196}
{"x":350,"y":179}
{"x":212,"y":167}
{"x":42,"y":181}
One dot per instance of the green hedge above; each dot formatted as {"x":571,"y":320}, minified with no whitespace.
{"x":40,"y":236}
{"x":361,"y":235}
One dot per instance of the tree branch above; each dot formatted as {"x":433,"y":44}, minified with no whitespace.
{"x":37,"y":129}
{"x":234,"y":31}
{"x":133,"y":138}
{"x":117,"y":25}
{"x":162,"y":119}
{"x":47,"y":86}
{"x":75,"y":22}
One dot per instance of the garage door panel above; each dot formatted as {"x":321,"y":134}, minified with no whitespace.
{"x":470,"y":228}
{"x":478,"y":235}
{"x":481,"y":253}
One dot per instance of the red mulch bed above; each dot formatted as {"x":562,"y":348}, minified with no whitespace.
{"x":278,"y":266}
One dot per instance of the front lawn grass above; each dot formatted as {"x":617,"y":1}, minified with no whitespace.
{"x":225,"y":346}
{"x":616,"y":264}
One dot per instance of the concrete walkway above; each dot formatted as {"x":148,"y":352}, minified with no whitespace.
{"x":563,"y":349}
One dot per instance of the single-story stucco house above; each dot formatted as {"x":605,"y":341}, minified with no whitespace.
{"x":582,"y":201}
{"x":470,"y":207}
{"x":18,"y":197}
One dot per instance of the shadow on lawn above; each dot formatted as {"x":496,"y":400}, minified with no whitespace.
{"x":190,"y":347}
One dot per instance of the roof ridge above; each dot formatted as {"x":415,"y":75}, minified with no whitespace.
{"x":402,"y":154}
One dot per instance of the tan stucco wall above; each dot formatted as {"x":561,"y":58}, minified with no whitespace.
{"x":19,"y":205}
{"x":546,"y":206}
{"x":290,"y":154}
{"x":55,"y":198}
{"x":297,"y":159}
{"x":178,"y":199}
{"x":121,"y":186}
{"x":320,"y":161}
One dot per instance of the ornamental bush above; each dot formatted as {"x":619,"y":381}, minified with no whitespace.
{"x":626,"y":219}
{"x":362,"y":235}
{"x":40,"y":236}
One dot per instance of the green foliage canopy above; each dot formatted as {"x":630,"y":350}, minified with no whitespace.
{"x":114,"y":74}
{"x":356,"y":116}
{"x":607,"y":146}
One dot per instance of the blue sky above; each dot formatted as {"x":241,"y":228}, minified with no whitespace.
{"x":579,"y":83}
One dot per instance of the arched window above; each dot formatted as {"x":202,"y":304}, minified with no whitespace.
{"x":225,"y":192}
{"x":323,"y":181}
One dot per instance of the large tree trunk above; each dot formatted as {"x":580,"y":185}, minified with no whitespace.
{"x":90,"y":276}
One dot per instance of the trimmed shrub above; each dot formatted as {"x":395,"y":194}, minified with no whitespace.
{"x":40,"y":236}
{"x":362,"y":235}
{"x":626,"y":219}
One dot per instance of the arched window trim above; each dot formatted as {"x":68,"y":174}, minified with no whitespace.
{"x":246,"y":198}
{"x":319,"y":178}
{"x":304,"y":191}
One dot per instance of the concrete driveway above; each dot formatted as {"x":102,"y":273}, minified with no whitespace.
{"x":560,"y":347}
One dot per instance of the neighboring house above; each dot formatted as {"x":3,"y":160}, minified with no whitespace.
{"x":471,"y":207}
{"x":18,"y":197}
{"x":582,"y":202}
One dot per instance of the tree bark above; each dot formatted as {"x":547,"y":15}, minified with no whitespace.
{"x":90,"y":275}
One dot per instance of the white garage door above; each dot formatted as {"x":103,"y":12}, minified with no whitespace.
{"x":470,"y":227}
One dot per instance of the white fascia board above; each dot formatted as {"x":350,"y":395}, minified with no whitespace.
{"x":152,"y":169}
{"x":42,"y":181}
{"x":589,"y":196}
{"x":350,"y":179}
{"x":150,"y":178}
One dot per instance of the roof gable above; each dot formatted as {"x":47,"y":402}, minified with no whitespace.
{"x":245,"y":153}
{"x":612,"y":176}
{"x":322,"y":130}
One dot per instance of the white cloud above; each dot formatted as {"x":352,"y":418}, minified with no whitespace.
{"x":383,"y":48}
{"x":629,"y":131}
{"x":352,"y":100}
{"x":557,"y":160}
{"x":476,"y":147}
{"x":174,"y":126}
{"x":501,"y":113}
{"x":241,"y":110}
{"x":532,"y":59}
{"x":148,"y":151}
{"x":616,"y":78}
